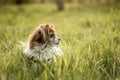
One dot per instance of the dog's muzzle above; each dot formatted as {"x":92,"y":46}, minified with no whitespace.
{"x":57,"y":41}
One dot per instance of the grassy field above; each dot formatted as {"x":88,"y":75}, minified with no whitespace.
{"x":90,"y":42}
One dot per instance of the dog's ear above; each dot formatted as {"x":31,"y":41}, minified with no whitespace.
{"x":49,"y":28}
{"x":38,"y":36}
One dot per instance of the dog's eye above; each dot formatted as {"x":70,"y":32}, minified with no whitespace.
{"x":52,"y":35}
{"x":39,"y":31}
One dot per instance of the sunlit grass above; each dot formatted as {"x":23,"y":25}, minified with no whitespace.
{"x":90,"y":42}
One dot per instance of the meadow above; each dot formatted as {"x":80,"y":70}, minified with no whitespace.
{"x":90,"y":36}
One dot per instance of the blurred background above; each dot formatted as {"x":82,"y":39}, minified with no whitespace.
{"x":60,"y":3}
{"x":90,"y":33}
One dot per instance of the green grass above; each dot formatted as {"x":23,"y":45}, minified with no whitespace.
{"x":90,"y":42}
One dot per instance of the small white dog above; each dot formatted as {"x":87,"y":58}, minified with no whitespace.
{"x":43,"y":44}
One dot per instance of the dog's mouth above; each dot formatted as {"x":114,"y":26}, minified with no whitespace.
{"x":57,"y":43}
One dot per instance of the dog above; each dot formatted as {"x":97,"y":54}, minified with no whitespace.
{"x":43,"y":44}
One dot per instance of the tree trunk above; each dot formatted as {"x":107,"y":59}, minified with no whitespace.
{"x":60,"y":5}
{"x":117,"y":0}
{"x":19,"y":2}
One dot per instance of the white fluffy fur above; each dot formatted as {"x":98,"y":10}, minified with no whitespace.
{"x":43,"y":52}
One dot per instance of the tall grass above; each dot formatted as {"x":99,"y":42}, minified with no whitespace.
{"x":90,"y":42}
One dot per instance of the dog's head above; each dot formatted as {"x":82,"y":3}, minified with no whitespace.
{"x":44,"y":33}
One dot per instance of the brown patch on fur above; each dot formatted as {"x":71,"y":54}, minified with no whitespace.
{"x":40,"y":34}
